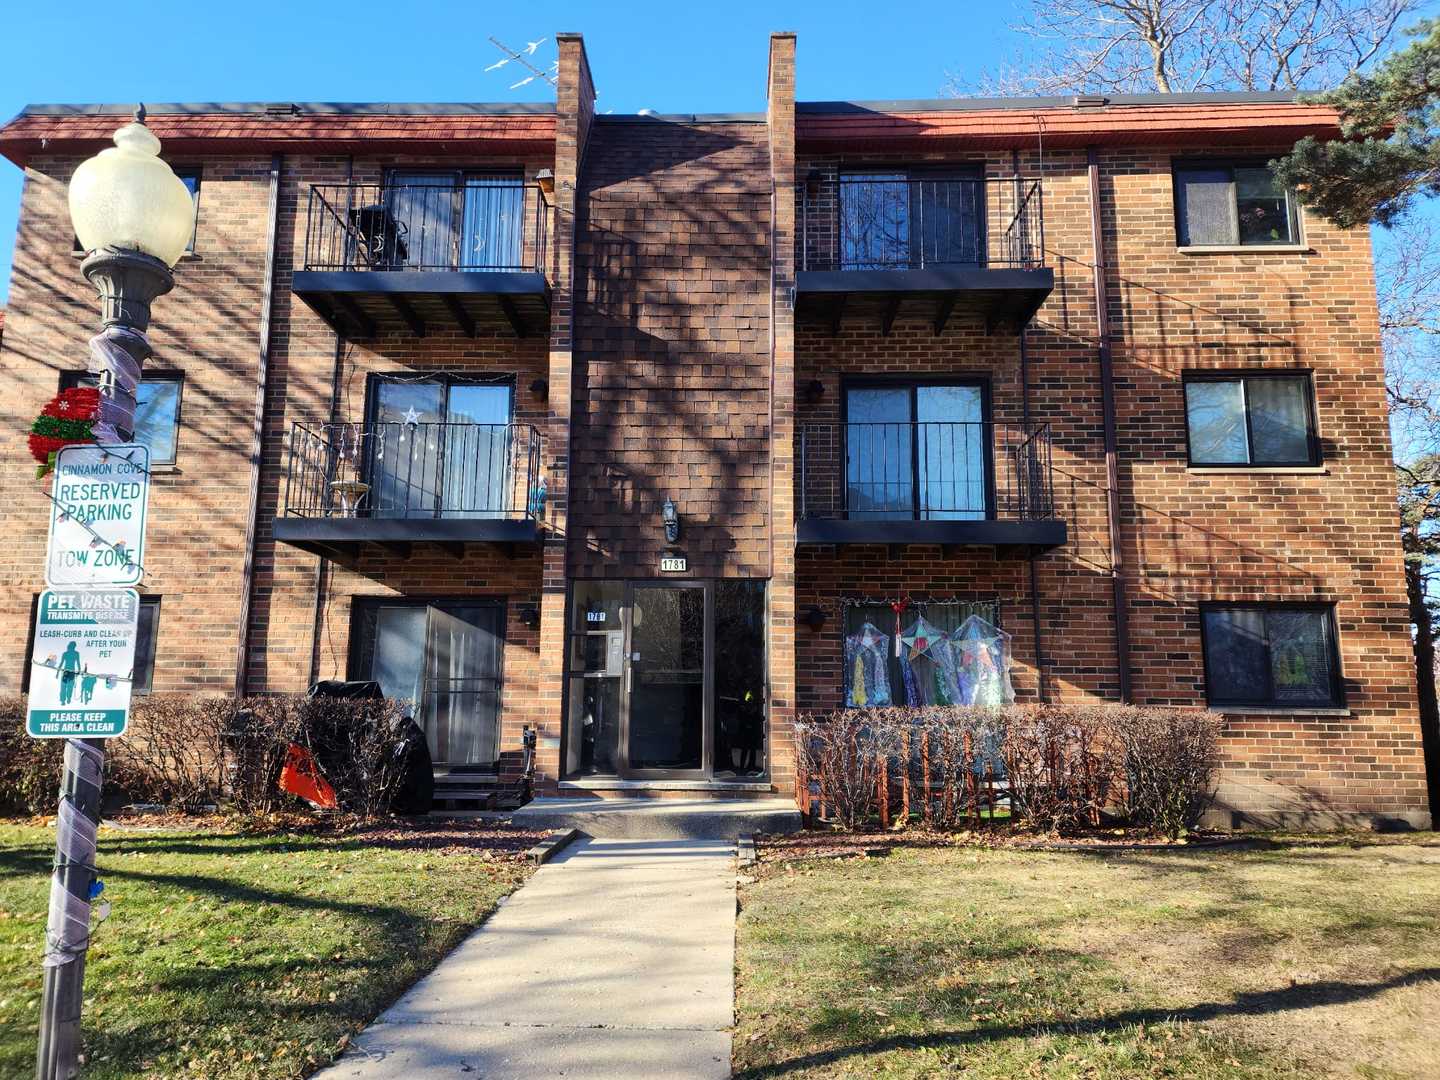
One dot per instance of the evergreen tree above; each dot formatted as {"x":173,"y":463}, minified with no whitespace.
{"x":1390,"y":117}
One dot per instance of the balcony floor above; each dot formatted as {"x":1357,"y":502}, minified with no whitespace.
{"x":999,"y":297}
{"x":344,"y":538}
{"x":1022,"y":537}
{"x":362,"y":304}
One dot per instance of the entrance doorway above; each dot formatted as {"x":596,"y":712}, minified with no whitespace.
{"x":667,"y":680}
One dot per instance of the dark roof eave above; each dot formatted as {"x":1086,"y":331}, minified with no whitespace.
{"x":924,"y":105}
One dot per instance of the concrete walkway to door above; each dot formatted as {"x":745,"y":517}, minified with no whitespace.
{"x":614,"y":960}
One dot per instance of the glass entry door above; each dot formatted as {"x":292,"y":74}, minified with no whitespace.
{"x":667,"y":680}
{"x":667,"y":732}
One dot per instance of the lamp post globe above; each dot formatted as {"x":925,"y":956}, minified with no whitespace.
{"x":134,"y":217}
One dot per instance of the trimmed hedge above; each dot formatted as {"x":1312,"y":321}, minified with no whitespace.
{"x":189,"y":753}
{"x":1062,"y":768}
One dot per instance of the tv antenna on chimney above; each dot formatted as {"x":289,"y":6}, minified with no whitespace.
{"x":519,"y":57}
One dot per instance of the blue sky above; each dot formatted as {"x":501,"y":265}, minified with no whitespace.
{"x":664,"y":56}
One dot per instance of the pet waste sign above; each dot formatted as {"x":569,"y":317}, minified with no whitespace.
{"x":83,"y":663}
{"x":97,"y":516}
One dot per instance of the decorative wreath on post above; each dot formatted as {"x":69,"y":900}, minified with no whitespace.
{"x":63,"y":422}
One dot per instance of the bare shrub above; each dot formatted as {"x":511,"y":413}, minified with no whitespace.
{"x":949,"y":748}
{"x":845,"y":752}
{"x":360,"y":747}
{"x":173,"y":752}
{"x":258,"y":733}
{"x":29,"y":768}
{"x":1061,"y":764}
{"x":1170,"y":760}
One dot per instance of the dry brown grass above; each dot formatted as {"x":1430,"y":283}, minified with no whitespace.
{"x":1289,"y":958}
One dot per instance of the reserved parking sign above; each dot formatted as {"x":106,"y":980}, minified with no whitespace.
{"x":98,"y":500}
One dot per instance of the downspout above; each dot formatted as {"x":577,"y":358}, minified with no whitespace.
{"x":1107,"y":405}
{"x":322,"y":564}
{"x":257,"y":434}
{"x":1041,"y":673}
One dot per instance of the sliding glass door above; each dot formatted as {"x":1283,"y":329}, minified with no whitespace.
{"x":459,"y":220}
{"x":444,"y":657}
{"x":917,"y":451}
{"x":440,"y":447}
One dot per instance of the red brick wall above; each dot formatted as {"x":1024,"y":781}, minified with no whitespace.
{"x":1190,"y":536}
{"x":672,"y":350}
{"x":207,"y":329}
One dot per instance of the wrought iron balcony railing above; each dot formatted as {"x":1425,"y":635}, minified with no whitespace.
{"x":889,"y":221}
{"x":471,"y":224}
{"x":414,"y":471}
{"x":925,"y":472}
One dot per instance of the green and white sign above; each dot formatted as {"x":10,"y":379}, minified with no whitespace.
{"x":81,"y":668}
{"x":97,"y":516}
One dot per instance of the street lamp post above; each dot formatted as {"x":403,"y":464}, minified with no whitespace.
{"x":135,"y":217}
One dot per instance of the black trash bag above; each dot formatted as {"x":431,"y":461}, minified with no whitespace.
{"x":416,"y":794}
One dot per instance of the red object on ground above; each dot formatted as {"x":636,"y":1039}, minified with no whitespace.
{"x":300,"y":775}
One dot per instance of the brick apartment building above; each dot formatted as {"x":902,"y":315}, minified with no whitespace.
{"x":432,"y":373}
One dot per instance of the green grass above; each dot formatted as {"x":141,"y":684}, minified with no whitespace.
{"x":237,"y":955}
{"x":1291,"y":959}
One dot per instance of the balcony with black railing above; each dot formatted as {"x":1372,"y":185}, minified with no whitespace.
{"x":877,"y":245}
{"x":393,"y":485}
{"x":927,"y":483}
{"x":447,"y":252}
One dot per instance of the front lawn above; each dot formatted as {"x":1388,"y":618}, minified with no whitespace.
{"x":1288,"y":958}
{"x":235,"y":955}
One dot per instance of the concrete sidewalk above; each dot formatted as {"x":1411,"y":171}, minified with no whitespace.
{"x":615,"y":960}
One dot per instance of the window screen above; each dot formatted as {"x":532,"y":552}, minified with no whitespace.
{"x":1226,"y":205}
{"x":1250,"y":420}
{"x":1275,"y":655}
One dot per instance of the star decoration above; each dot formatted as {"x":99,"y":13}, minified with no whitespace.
{"x":412,"y":417}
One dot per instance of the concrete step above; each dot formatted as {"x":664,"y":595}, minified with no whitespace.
{"x":608,"y":788}
{"x":640,"y":818}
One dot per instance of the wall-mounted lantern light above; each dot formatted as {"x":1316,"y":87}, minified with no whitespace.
{"x":671,"y":518}
{"x":546,"y":179}
{"x":814,"y":391}
{"x":814,"y":618}
{"x":540,"y":388}
{"x":529,"y":615}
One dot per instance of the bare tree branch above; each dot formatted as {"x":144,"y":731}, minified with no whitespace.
{"x":1133,"y":46}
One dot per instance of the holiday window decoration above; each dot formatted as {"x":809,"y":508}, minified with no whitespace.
{"x":65,"y":421}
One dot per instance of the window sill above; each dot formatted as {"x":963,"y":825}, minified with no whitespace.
{"x":1246,"y":249}
{"x":1247,"y":470}
{"x":1271,"y":710}
{"x":165,"y":470}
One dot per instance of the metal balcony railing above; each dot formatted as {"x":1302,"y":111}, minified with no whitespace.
{"x":472,"y":224}
{"x":926,"y":472}
{"x":889,"y":221}
{"x":420,"y":471}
